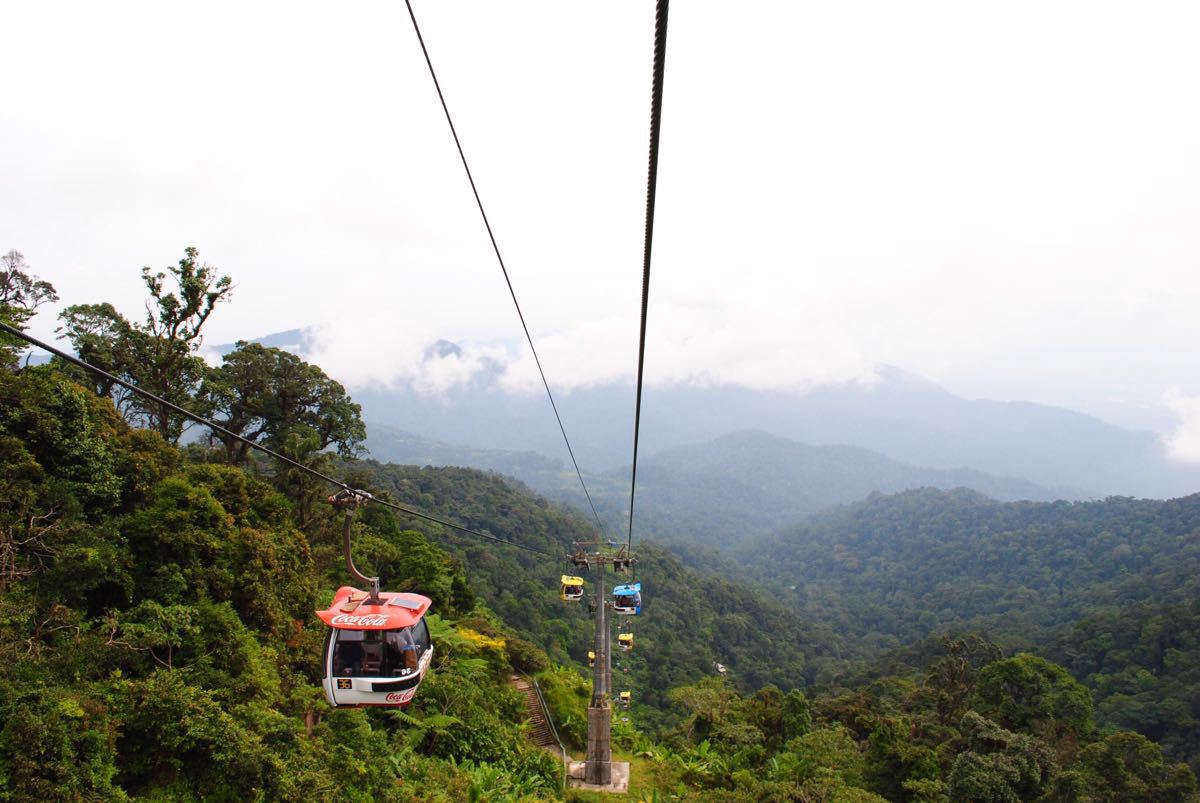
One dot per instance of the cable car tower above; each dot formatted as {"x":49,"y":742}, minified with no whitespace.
{"x":595,"y":557}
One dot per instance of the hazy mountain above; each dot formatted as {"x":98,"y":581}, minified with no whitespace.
{"x":391,"y":445}
{"x":720,"y":491}
{"x":900,"y":416}
{"x":297,"y":341}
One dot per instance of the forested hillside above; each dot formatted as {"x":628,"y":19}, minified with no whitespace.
{"x":391,"y":445}
{"x":692,"y":620}
{"x":160,"y":645}
{"x":1107,"y":587}
{"x":158,"y":637}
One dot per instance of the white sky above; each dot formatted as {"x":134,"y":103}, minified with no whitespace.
{"x":1002,"y":197}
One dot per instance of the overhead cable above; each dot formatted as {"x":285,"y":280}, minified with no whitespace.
{"x":254,"y":445}
{"x":491,"y":236}
{"x":656,"y":93}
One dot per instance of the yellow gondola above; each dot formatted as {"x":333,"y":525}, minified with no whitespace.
{"x":625,"y":641}
{"x":626,"y":698}
{"x":591,"y":658}
{"x":572,"y":589}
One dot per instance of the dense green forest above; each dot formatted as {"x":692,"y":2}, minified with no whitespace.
{"x":1107,"y":588}
{"x":158,"y":642}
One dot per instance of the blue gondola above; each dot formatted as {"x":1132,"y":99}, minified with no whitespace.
{"x":627,"y":599}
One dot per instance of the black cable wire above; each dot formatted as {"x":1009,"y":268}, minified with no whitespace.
{"x":656,"y":92}
{"x":478,"y":202}
{"x":229,"y":433}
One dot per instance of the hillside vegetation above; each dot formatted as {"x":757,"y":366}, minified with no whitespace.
{"x":158,"y":637}
{"x":692,"y":618}
{"x":160,"y":645}
{"x":158,"y":640}
{"x":1108,"y":587}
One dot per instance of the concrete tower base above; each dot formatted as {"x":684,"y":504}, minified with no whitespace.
{"x":618,"y":777}
{"x":599,"y":749}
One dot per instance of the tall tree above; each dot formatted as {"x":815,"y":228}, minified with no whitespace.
{"x":21,"y":293}
{"x":101,"y":337}
{"x":171,"y":335}
{"x":266,"y":394}
{"x":159,"y":355}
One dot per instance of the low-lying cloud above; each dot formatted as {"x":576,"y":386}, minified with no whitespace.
{"x":1184,"y":443}
{"x":790,"y":348}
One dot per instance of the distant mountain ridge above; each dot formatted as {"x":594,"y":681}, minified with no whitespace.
{"x":719,"y":492}
{"x":901,"y":416}
{"x":391,"y":445}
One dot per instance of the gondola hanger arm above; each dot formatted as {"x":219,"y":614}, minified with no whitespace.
{"x":349,"y":500}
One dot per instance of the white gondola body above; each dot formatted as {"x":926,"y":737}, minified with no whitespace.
{"x":355,"y":691}
{"x":375,"y":655}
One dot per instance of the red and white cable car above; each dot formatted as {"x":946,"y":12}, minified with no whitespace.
{"x":378,"y":651}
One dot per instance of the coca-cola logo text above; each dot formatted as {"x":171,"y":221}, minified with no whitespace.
{"x":401,"y":696}
{"x":368,"y":620}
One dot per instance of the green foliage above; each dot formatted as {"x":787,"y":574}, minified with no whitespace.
{"x":158,"y":355}
{"x":999,"y":766}
{"x":1106,"y":589}
{"x":820,"y":755}
{"x":263,"y":394}
{"x":56,"y":744}
{"x":888,"y":739}
{"x":923,"y":562}
{"x":178,"y":739}
{"x":21,"y":293}
{"x":156,"y":636}
{"x":527,"y":657}
{"x":1125,"y":766}
{"x":567,"y":696}
{"x":1142,"y":663}
{"x":1026,"y":692}
{"x":68,"y":432}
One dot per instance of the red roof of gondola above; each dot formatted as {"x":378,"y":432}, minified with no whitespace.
{"x":394,"y":611}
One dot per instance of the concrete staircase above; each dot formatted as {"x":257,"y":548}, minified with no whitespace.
{"x":541,"y":733}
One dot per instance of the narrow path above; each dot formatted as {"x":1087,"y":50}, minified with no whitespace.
{"x":540,"y":733}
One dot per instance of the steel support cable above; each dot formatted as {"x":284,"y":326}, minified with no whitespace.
{"x":252,"y":444}
{"x":496,"y":248}
{"x":656,"y":93}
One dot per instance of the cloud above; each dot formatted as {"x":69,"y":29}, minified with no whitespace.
{"x":750,"y":340}
{"x":1009,"y":229}
{"x":1184,"y":443}
{"x":369,"y":352}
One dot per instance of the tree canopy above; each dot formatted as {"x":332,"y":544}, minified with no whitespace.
{"x":21,"y":293}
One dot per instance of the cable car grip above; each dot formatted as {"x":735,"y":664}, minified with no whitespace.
{"x":349,"y":500}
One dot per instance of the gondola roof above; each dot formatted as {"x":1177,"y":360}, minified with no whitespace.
{"x":396,"y":610}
